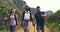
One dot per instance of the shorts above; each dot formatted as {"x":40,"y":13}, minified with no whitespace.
{"x":40,"y":27}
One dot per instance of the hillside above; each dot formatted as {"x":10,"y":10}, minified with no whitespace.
{"x":8,"y":4}
{"x":5,"y":6}
{"x":18,"y":3}
{"x":54,"y":22}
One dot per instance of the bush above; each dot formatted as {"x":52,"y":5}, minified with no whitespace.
{"x":54,"y":21}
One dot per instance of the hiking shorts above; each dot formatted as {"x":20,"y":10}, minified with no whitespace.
{"x":40,"y":27}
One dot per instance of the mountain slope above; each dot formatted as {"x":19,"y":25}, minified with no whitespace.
{"x":54,"y":22}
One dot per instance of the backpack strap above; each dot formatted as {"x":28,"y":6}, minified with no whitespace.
{"x":16,"y":19}
{"x":9,"y":16}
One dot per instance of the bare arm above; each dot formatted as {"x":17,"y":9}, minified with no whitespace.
{"x":34,"y":21}
{"x":5,"y":18}
{"x":44,"y":15}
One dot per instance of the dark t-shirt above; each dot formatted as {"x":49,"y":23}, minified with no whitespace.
{"x":39,"y":18}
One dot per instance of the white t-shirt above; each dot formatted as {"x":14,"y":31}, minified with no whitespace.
{"x":27,"y":15}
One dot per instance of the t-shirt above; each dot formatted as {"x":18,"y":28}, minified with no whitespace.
{"x":39,"y":18}
{"x":12,"y":20}
{"x":27,"y":15}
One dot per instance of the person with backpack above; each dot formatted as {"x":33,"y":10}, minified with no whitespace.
{"x":26,"y":17}
{"x":13,"y":20}
{"x":39,"y":20}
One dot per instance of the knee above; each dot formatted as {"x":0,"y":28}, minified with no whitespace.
{"x":38,"y":30}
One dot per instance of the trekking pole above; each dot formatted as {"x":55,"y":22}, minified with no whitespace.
{"x":34,"y":28}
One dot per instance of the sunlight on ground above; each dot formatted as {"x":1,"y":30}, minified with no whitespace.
{"x":32,"y":29}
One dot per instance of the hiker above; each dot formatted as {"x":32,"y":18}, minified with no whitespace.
{"x":39,"y":20}
{"x":26,"y":17}
{"x":13,"y":20}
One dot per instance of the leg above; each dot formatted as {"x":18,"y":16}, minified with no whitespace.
{"x":12,"y":28}
{"x":24,"y":29}
{"x":43,"y":28}
{"x":25,"y":26}
{"x":38,"y":28}
{"x":28,"y":27}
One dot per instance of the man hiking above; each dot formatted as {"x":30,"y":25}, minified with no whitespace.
{"x":39,"y":20}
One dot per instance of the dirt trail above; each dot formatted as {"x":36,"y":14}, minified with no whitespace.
{"x":32,"y":29}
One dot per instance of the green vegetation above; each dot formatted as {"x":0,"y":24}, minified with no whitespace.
{"x":5,"y":7}
{"x":54,"y":22}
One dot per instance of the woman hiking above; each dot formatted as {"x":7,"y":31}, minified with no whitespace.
{"x":26,"y":19}
{"x":13,"y":20}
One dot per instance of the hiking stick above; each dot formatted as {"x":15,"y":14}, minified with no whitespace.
{"x":34,"y":28}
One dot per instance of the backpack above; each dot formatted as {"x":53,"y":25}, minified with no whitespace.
{"x":15,"y":18}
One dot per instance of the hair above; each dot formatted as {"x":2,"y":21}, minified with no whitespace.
{"x":28,"y":8}
{"x":38,"y":7}
{"x":11,"y":10}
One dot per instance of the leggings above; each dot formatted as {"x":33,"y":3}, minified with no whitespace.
{"x":26,"y":25}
